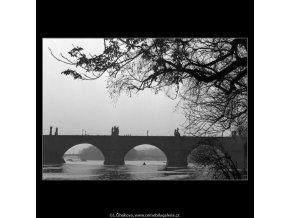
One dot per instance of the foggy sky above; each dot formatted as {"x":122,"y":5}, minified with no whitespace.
{"x":73,"y":105}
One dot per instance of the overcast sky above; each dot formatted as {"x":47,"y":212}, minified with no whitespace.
{"x":73,"y":105}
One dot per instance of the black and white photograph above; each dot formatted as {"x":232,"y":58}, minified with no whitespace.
{"x":145,"y":108}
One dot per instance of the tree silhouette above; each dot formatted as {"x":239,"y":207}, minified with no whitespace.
{"x":220,"y":165}
{"x":208,"y":75}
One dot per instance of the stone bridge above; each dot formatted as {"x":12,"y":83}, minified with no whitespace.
{"x":115,"y":147}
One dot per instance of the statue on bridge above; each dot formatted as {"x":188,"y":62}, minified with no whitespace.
{"x":56,"y":131}
{"x":115,"y":130}
{"x":176,"y":133}
{"x":50,"y":131}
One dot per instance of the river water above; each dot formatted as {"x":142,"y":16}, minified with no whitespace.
{"x":132,"y":170}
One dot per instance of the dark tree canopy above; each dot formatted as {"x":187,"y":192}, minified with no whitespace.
{"x":208,"y":75}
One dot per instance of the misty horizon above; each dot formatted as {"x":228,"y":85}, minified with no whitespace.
{"x":73,"y":105}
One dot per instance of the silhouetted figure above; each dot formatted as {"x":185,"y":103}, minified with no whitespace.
{"x":176,"y":133}
{"x":115,"y":130}
{"x":144,"y":163}
{"x":112,"y":131}
{"x":147,"y":132}
{"x":50,"y":131}
{"x":56,"y":131}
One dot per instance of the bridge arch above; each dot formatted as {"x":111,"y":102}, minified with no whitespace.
{"x":54,"y":147}
{"x":175,"y":157}
{"x":200,"y":151}
{"x":234,"y":147}
{"x":145,"y":152}
{"x":89,"y":152}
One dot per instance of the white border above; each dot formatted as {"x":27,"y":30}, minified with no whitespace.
{"x":18,"y":109}
{"x":272,"y":146}
{"x":272,"y":108}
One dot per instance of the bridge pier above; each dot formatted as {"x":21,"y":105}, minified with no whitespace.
{"x":113,"y":158}
{"x":114,"y":162}
{"x":51,"y":153}
{"x":177,"y":159}
{"x":53,"y":159}
{"x":52,"y":156}
{"x":182,"y":163}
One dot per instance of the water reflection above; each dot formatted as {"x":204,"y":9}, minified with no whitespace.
{"x":132,"y":170}
{"x":52,"y":169}
{"x":113,"y":173}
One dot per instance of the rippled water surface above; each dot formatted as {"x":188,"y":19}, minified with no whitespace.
{"x":132,"y":170}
